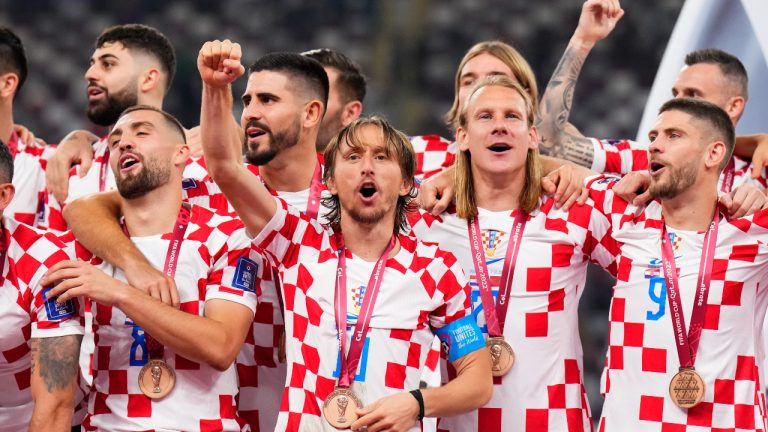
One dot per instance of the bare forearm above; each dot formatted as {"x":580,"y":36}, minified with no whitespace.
{"x":53,"y":380}
{"x":746,"y":145}
{"x":471,"y":389}
{"x":558,"y":137}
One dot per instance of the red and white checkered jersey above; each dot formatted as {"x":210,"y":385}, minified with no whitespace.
{"x":433,"y":154}
{"x":29,"y":180}
{"x":624,"y":156}
{"x":25,"y":314}
{"x":544,"y":390}
{"x":423,"y":289}
{"x":642,"y":356}
{"x":216,"y":262}
{"x":91,"y":183}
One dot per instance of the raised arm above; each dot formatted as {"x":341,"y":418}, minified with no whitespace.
{"x":219,"y":65}
{"x":558,"y":137}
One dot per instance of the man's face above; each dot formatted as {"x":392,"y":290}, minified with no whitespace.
{"x":332,"y":121}
{"x":141,"y":150}
{"x":703,"y":81}
{"x":271,"y":116}
{"x":112,"y":83}
{"x":497,"y":133}
{"x":366,"y":180}
{"x":675,"y":154}
{"x":479,"y":67}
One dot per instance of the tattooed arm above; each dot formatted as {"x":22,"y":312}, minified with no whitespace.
{"x":53,"y":382}
{"x":558,"y":137}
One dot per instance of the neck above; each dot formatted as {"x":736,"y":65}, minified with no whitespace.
{"x":498,"y":192}
{"x":291,"y":170}
{"x":6,"y":122}
{"x":691,"y":210}
{"x":154,"y":213}
{"x":367,"y":241}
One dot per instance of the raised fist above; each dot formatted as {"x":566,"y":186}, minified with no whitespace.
{"x":219,"y":63}
{"x":598,"y":19}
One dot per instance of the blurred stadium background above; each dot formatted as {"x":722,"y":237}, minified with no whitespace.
{"x":409,"y":49}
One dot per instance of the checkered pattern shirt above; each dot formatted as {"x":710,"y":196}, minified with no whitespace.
{"x":544,"y":390}
{"x":433,"y":154}
{"x":423,"y":289}
{"x":25,"y":314}
{"x":624,"y":156}
{"x":215,"y":263}
{"x":29,"y":180}
{"x":642,"y":356}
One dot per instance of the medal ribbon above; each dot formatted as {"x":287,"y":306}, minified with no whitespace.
{"x":729,"y":172}
{"x":3,"y":250}
{"x":103,"y":171}
{"x":496,"y":314}
{"x":350,"y":361}
{"x":154,"y":347}
{"x":688,"y":343}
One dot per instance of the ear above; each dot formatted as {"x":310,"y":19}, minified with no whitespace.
{"x":462,"y":139}
{"x":8,"y":84}
{"x":313,"y":113}
{"x":735,"y":107}
{"x":7,"y":190}
{"x":405,"y":186}
{"x":716,"y":152}
{"x":150,"y":80}
{"x":330,"y":184}
{"x":351,"y":112}
{"x":533,"y":136}
{"x":181,"y":156}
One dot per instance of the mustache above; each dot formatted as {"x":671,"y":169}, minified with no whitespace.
{"x":258,"y":124}
{"x":92,"y":83}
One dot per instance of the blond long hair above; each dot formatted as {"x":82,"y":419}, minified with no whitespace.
{"x":466,"y":204}
{"x":521,"y":72}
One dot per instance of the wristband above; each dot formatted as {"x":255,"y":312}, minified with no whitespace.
{"x":417,"y":394}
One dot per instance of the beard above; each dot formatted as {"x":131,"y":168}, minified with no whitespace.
{"x":275,"y":144}
{"x":105,"y":112}
{"x":372,"y":217}
{"x":679,"y":179}
{"x":329,"y":128}
{"x":151,"y":176}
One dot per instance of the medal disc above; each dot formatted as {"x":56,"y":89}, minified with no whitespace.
{"x":686,"y":388}
{"x":339,"y":408}
{"x":156,"y":379}
{"x":502,"y":356}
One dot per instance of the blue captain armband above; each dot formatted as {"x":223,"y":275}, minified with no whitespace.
{"x":461,"y":337}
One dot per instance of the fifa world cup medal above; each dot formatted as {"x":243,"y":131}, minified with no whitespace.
{"x":156,"y":379}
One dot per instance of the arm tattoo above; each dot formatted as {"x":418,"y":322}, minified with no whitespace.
{"x":556,"y":139}
{"x":56,"y":360}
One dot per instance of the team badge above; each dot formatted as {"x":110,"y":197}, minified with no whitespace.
{"x":245,"y":275}
{"x":491,"y":241}
{"x":58,"y":311}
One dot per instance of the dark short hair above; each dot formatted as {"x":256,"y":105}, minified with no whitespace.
{"x":6,"y":163}
{"x":170,"y":120}
{"x":730,"y":66}
{"x":12,"y":56}
{"x":352,"y":82}
{"x":301,"y":69}
{"x":145,"y":39}
{"x":714,"y":116}
{"x":397,"y":147}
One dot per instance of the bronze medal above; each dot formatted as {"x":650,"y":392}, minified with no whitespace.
{"x":686,"y":388}
{"x":502,"y":356}
{"x":340,"y":406}
{"x":156,"y":379}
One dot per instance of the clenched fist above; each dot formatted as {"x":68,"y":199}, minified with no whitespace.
{"x":219,"y":63}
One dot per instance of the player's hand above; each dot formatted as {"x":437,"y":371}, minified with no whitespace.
{"x":27,"y":137}
{"x":566,"y":185}
{"x":81,"y":279}
{"x":633,"y":188}
{"x":760,"y":156}
{"x":398,"y":412}
{"x":743,"y":201}
{"x":437,"y":193}
{"x":219,"y":63}
{"x":75,"y":148}
{"x":154,"y":283}
{"x":194,"y":142}
{"x":598,"y":19}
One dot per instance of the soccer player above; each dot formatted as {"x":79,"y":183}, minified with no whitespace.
{"x":526,"y":303}
{"x":39,"y":338}
{"x":156,"y":366}
{"x":369,"y":171}
{"x":29,"y":167}
{"x":688,"y":304}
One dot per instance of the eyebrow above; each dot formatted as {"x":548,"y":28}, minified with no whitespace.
{"x":132,"y":126}
{"x":492,"y":73}
{"x":104,"y":57}
{"x":260,"y":95}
